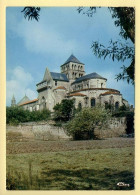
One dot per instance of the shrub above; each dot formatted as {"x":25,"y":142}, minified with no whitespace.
{"x":83,"y":124}
{"x":16,"y":115}
{"x":129,"y":120}
{"x":124,"y":108}
{"x":130,"y":123}
{"x":64,"y":111}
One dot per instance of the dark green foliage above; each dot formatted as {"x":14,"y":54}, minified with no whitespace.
{"x":120,"y":52}
{"x":15,"y":115}
{"x":64,"y":111}
{"x":125,"y":19}
{"x":31,"y":12}
{"x":124,"y":108}
{"x":109,"y":107}
{"x":83,"y":124}
{"x":40,"y":115}
{"x":130,"y":123}
{"x":129,"y":119}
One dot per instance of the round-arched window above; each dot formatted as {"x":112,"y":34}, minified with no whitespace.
{"x":106,"y":105}
{"x":93,"y":102}
{"x":79,"y":106}
{"x":116,"y":105}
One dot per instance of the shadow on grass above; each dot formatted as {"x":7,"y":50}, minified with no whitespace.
{"x":70,"y":179}
{"x":88,"y":179}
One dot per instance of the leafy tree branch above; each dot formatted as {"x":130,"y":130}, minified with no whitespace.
{"x":31,"y":13}
{"x":125,"y":19}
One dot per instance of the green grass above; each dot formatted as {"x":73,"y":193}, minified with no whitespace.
{"x":98,"y":169}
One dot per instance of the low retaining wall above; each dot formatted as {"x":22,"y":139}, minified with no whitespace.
{"x":41,"y":131}
{"x":47,"y":131}
{"x":116,"y":127}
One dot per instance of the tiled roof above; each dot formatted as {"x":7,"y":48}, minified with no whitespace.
{"x":93,"y":75}
{"x":60,"y":87}
{"x":59,"y":76}
{"x":29,"y":102}
{"x":110,"y":92}
{"x":94,"y":89}
{"x":77,"y":94}
{"x":72,"y":58}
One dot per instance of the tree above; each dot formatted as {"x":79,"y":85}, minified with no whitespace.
{"x":31,"y":12}
{"x":64,"y":111}
{"x":83,"y":124}
{"x":125,"y":19}
{"x":16,"y":115}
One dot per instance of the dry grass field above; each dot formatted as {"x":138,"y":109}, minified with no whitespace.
{"x":69,"y":165}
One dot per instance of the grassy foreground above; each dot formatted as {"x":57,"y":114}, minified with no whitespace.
{"x":95,"y":169}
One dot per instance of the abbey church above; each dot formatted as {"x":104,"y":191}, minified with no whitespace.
{"x":87,"y":89}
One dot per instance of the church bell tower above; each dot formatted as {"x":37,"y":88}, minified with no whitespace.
{"x":73,"y":68}
{"x":13,"y":101}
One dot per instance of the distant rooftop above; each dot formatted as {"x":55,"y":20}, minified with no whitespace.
{"x":59,"y":76}
{"x":72,"y":58}
{"x":60,"y":87}
{"x":23,"y":100}
{"x":110,"y":92}
{"x":77,"y":94}
{"x":93,"y":75}
{"x":29,"y":102}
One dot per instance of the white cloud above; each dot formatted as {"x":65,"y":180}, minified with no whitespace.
{"x":40,"y":38}
{"x":19,"y":85}
{"x":44,"y":37}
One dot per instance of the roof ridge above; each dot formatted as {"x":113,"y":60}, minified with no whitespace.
{"x":34,"y":100}
{"x":89,"y":76}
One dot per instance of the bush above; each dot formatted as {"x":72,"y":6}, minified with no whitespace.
{"x":83,"y":124}
{"x":64,"y":111}
{"x":124,"y":108}
{"x":16,"y":115}
{"x":129,"y":120}
{"x":130,"y":123}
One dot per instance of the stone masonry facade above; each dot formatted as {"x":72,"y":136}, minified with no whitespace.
{"x":72,"y":83}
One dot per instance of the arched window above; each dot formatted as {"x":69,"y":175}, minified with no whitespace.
{"x":73,"y":75}
{"x":93,"y":102}
{"x":116,"y":105}
{"x":106,"y":105}
{"x":43,"y":99}
{"x":101,"y":85}
{"x":80,"y":106}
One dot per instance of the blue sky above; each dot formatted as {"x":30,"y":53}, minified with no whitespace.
{"x":32,"y":46}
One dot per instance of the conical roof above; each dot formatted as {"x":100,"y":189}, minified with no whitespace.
{"x":23,"y":100}
{"x":72,"y":58}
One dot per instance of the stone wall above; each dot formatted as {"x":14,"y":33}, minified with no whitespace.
{"x":46,"y":131}
{"x":116,"y":127}
{"x":40,"y":131}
